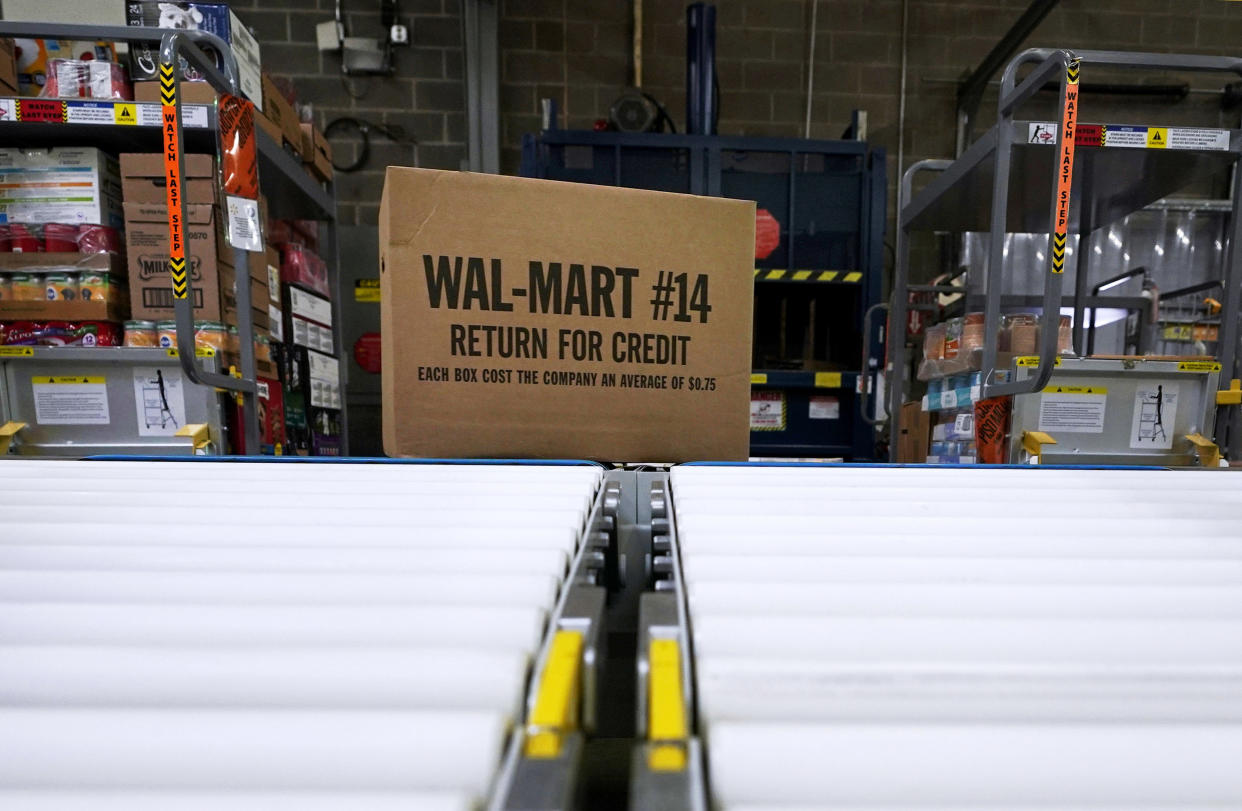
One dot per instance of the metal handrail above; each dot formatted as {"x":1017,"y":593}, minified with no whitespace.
{"x":1056,"y":61}
{"x":173,"y":45}
{"x":864,"y":375}
{"x":1154,"y":61}
{"x":898,"y":308}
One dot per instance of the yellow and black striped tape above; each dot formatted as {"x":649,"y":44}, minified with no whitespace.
{"x":781,"y":275}
{"x":1058,"y":253}
{"x":180,"y":279}
{"x":168,"y":85}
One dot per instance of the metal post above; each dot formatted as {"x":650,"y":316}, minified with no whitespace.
{"x":1227,"y":433}
{"x":482,"y":78}
{"x":1082,"y":277}
{"x":701,"y":69}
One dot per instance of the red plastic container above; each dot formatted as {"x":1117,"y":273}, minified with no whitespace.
{"x":60,"y":238}
{"x":23,"y":240}
{"x":98,"y":239}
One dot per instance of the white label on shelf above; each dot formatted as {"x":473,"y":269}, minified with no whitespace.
{"x":1195,"y":138}
{"x":301,"y":329}
{"x":151,"y":115}
{"x":323,"y":368}
{"x":71,"y":401}
{"x":244,"y":230}
{"x":1155,"y":415}
{"x":1130,"y":137}
{"x":767,"y":411}
{"x":89,"y":112}
{"x":276,"y":321}
{"x":192,"y":115}
{"x":159,"y":399}
{"x":310,"y":306}
{"x":8,"y":109}
{"x":1072,"y":410}
{"x":824,"y":408}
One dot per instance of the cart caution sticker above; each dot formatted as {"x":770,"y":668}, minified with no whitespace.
{"x":1066,"y":175}
{"x":1198,"y":366}
{"x":70,"y":400}
{"x":172,"y":174}
{"x":41,"y":111}
{"x":89,"y":112}
{"x":1073,"y":409}
{"x":1130,"y":137}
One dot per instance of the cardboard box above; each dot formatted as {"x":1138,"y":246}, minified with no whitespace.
{"x":537,"y":336}
{"x":279,"y":120}
{"x":143,"y":178}
{"x":61,"y":184}
{"x":316,"y":152}
{"x":912,"y":444}
{"x":191,"y":93}
{"x":150,"y":289}
{"x":113,"y":308}
{"x":8,"y":67}
{"x":214,"y":18}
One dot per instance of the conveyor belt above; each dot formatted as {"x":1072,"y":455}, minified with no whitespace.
{"x":268,"y":636}
{"x":906,"y":638}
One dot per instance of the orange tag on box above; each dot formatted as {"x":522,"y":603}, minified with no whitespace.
{"x":239,"y":161}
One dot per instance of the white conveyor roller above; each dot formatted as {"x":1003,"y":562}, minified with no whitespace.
{"x":343,"y":559}
{"x":346,"y":677}
{"x":199,"y":634}
{"x":986,"y":638}
{"x":236,"y":801}
{"x":947,"y":766}
{"x":391,"y":750}
{"x":276,"y":588}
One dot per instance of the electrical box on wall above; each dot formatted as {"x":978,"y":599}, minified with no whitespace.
{"x":363,"y":56}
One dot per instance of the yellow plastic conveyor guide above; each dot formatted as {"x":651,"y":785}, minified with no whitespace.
{"x":667,"y":729}
{"x":556,"y":706}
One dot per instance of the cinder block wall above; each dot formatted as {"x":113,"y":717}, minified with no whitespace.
{"x":578,"y":52}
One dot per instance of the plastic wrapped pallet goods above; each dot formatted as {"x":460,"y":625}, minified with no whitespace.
{"x":990,"y":638}
{"x":277,"y":635}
